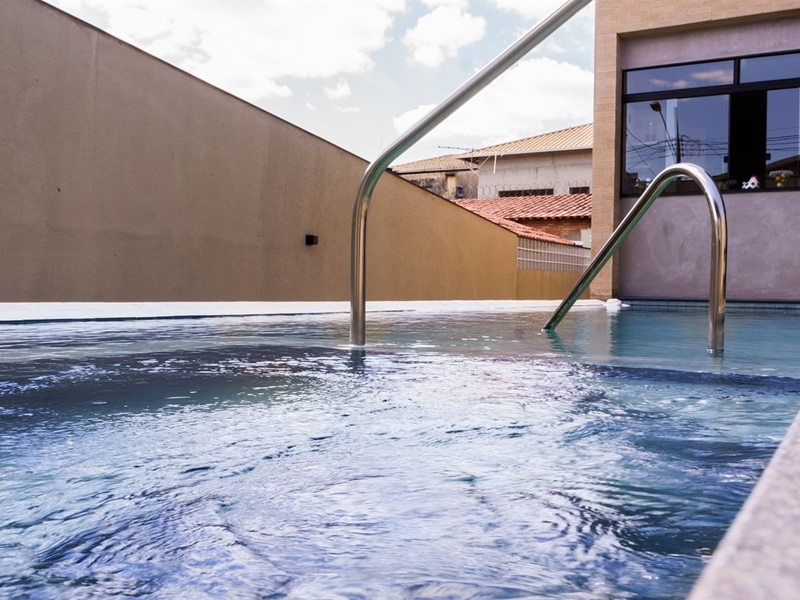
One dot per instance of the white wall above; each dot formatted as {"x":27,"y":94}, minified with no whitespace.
{"x":557,"y":170}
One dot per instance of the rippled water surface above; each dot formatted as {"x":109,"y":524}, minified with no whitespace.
{"x":462,"y":456}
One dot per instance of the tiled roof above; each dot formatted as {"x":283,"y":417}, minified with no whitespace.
{"x":532,"y":207}
{"x":521,"y":230}
{"x":573,"y":138}
{"x":449,"y":162}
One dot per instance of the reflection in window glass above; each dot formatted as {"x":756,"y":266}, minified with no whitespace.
{"x":783,"y":138}
{"x":661,"y":133}
{"x":769,"y":68}
{"x":679,"y":78}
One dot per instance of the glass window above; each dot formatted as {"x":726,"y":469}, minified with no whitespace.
{"x":769,"y":68}
{"x":783,"y":138}
{"x":536,"y":192}
{"x":679,"y":78}
{"x":661,"y":133}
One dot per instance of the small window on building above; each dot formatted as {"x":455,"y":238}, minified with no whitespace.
{"x":533,"y":192}
{"x":681,"y":77}
{"x":427,"y":188}
{"x":770,"y":68}
{"x":580,"y":190}
{"x":459,"y":191}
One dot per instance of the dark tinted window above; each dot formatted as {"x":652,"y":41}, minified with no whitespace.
{"x":769,"y":68}
{"x":679,"y":78}
{"x":783,"y":138}
{"x":661,"y":133}
{"x":536,"y":192}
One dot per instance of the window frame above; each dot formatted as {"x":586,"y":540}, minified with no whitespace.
{"x":697,"y":92}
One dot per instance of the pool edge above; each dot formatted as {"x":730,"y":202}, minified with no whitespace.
{"x":760,"y":553}
{"x":49,"y":312}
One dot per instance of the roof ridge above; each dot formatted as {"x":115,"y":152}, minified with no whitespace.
{"x":580,"y":136}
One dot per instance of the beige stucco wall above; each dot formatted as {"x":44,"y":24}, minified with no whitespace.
{"x":650,"y":32}
{"x":545,"y":285}
{"x":124,"y":179}
{"x":557,"y":170}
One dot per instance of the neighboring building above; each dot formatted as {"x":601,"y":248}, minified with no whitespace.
{"x":558,"y":162}
{"x":565,"y":216}
{"x":538,"y":249}
{"x":712,"y":83}
{"x":447,"y":176}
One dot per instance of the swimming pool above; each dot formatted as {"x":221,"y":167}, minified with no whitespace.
{"x":465,"y":455}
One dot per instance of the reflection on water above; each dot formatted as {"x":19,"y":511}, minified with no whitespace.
{"x":459,"y":457}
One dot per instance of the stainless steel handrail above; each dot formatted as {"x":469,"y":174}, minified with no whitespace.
{"x":374,"y":171}
{"x":719,"y":249}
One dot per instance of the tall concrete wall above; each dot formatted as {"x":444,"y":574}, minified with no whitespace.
{"x":641,"y":33}
{"x":125,"y":179}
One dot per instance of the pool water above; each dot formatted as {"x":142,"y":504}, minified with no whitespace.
{"x":464,"y":455}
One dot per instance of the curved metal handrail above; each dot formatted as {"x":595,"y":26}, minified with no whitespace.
{"x":377,"y":167}
{"x":719,"y":249}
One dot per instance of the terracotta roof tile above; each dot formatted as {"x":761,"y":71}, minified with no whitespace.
{"x":532,"y":207}
{"x":480,"y":208}
{"x":449,"y":162}
{"x":572,"y":138}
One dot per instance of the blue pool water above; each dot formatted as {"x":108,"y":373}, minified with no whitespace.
{"x":464,"y":455}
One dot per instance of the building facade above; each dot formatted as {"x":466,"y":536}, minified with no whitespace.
{"x":566,"y":216}
{"x":447,"y":176}
{"x":553,"y":163}
{"x":711,"y":83}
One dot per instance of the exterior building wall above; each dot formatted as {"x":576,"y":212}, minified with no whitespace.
{"x":124,"y":179}
{"x":668,"y":255}
{"x":546,"y":285}
{"x":642,"y":33}
{"x":446,"y":184}
{"x":569,"y":229}
{"x":556,"y":170}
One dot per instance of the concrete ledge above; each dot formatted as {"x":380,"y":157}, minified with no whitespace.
{"x":37,"y":312}
{"x":759,"y":557}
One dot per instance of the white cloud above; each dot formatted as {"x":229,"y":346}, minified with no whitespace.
{"x":440,"y":34}
{"x":536,"y":96}
{"x":536,"y":10}
{"x":530,"y":9}
{"x":349,"y":109}
{"x":251,"y":48}
{"x":462,"y":4}
{"x":341,"y":90}
{"x":310,"y":106}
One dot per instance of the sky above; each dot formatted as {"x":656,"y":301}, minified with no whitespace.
{"x":360,"y":72}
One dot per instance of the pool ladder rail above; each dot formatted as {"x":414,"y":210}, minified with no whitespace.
{"x":476,"y":83}
{"x":509,"y":57}
{"x":719,"y":249}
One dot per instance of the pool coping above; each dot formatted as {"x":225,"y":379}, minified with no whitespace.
{"x":760,"y":553}
{"x":49,"y":312}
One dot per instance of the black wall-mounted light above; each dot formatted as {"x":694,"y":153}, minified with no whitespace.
{"x":312,"y":240}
